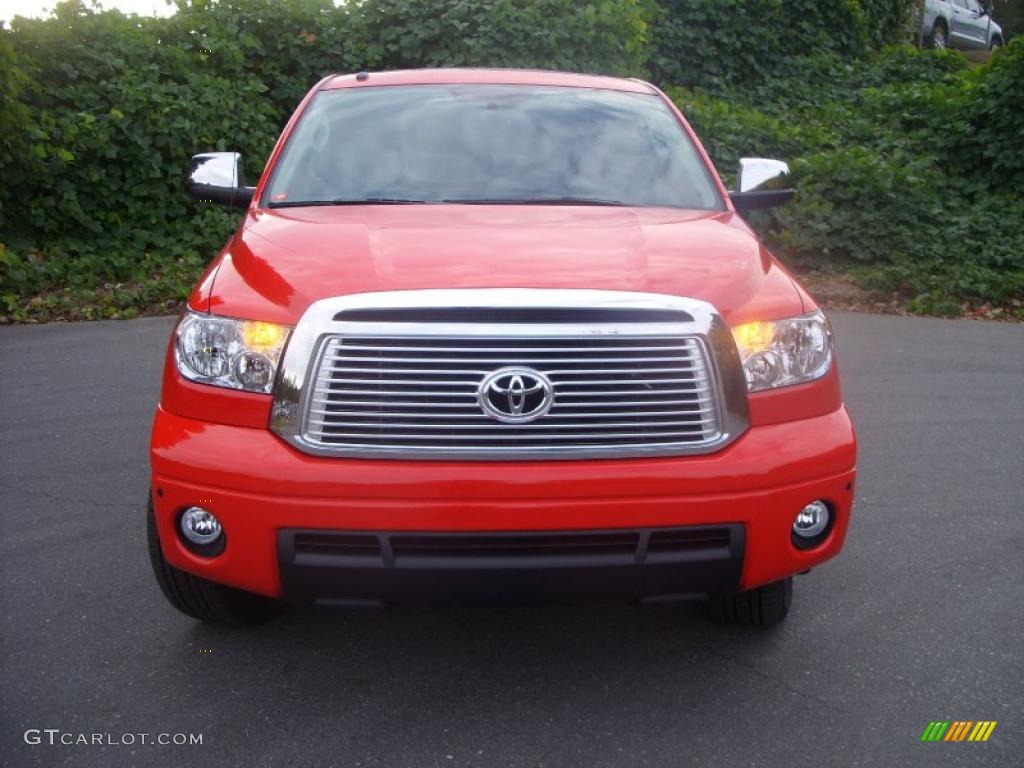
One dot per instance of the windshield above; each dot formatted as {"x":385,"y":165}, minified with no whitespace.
{"x":490,"y":143}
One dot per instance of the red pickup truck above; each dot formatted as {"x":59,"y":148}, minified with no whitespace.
{"x":493,"y":334}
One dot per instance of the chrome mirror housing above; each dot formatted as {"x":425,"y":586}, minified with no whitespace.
{"x":217,"y":177}
{"x":758,"y":173}
{"x":761,"y":183}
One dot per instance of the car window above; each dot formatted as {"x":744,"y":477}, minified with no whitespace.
{"x":474,"y":143}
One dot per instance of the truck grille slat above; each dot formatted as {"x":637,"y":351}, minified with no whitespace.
{"x":509,"y":359}
{"x":467,"y":395}
{"x":561,"y":381}
{"x":327,"y":384}
{"x":647,"y":391}
{"x":321,"y":415}
{"x":420,"y":395}
{"x":439,"y":342}
{"x":485,"y":429}
{"x":482,"y":368}
{"x":592,"y":439}
{"x":393,"y":406}
{"x":685,"y":372}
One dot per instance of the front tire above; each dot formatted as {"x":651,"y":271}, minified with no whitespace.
{"x":765,"y":606}
{"x":995,"y":45}
{"x":203,"y":599}
{"x":940,"y":37}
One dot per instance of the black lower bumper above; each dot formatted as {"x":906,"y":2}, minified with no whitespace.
{"x":563,"y":565}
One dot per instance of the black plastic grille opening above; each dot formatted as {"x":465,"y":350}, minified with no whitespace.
{"x":501,"y":315}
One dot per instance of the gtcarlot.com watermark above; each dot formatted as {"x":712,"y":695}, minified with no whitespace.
{"x":57,"y":737}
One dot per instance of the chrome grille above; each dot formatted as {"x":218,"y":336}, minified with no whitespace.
{"x":416,"y":396}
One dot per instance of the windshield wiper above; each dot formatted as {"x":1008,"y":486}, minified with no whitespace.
{"x":346,"y":201}
{"x":535,"y":201}
{"x":450,"y":201}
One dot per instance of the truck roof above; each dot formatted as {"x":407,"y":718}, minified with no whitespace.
{"x":486,"y":77}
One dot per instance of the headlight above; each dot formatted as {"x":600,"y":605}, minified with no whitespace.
{"x":238,"y":354}
{"x":784,"y":352}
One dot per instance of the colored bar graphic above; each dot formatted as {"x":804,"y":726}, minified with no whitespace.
{"x":958,"y":730}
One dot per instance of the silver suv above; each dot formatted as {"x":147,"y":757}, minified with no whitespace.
{"x":964,"y":24}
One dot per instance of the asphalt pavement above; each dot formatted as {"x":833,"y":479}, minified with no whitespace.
{"x":921,"y":618}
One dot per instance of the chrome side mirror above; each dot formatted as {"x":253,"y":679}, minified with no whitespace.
{"x":758,"y":173}
{"x":761,"y":183}
{"x":217,"y":177}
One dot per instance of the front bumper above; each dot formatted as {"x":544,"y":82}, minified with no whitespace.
{"x":265,"y":492}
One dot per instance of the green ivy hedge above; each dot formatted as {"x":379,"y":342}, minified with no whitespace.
{"x":717,"y":43}
{"x":895,"y":151}
{"x":608,"y":36}
{"x":906,"y":165}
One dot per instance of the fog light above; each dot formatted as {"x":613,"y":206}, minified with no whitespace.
{"x":812,"y":520}
{"x":200,"y":526}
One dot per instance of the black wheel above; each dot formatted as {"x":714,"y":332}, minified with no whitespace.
{"x":202,"y":599}
{"x":762,"y":607}
{"x":940,"y":37}
{"x":996,"y":44}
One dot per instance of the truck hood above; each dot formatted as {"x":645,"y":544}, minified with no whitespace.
{"x":283,"y":260}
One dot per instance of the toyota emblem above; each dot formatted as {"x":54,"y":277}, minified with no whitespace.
{"x":516,"y":395}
